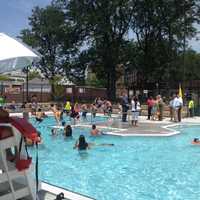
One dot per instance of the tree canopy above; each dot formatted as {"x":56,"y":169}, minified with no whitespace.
{"x":147,"y":36}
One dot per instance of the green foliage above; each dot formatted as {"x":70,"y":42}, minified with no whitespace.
{"x":51,"y":36}
{"x":4,"y":78}
{"x":58,"y":89}
{"x":160,"y":30}
{"x":33,"y":74}
{"x":46,"y":35}
{"x":92,"y":80}
{"x":104,"y":25}
{"x":189,"y":70}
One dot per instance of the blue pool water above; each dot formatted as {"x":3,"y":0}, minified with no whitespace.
{"x":136,"y":168}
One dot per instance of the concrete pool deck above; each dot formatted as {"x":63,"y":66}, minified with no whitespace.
{"x":146,"y":127}
{"x":49,"y":192}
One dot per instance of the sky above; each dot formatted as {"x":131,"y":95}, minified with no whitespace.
{"x":14,"y":14}
{"x":14,"y":17}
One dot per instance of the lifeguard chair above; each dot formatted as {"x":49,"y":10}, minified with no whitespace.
{"x":16,"y":181}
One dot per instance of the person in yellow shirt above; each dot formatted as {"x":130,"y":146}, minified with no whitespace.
{"x":191,"y":107}
{"x":67,"y":108}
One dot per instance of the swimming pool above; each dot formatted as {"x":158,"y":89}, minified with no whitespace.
{"x":141,"y":168}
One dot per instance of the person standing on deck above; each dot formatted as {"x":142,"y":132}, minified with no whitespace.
{"x":160,"y":107}
{"x":191,"y":107}
{"x":135,"y":110}
{"x":150,"y":103}
{"x":177,"y":104}
{"x":125,"y":107}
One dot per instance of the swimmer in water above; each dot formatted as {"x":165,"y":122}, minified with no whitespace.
{"x":68,"y":131}
{"x":95,"y":131}
{"x":196,"y":141}
{"x":53,"y":132}
{"x":40,"y":115}
{"x":81,"y":144}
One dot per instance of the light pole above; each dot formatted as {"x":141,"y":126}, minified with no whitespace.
{"x":23,"y":92}
{"x":157,"y":88}
{"x":27,"y":99}
{"x":41,"y":89}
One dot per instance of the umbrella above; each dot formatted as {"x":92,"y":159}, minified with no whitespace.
{"x":14,"y":55}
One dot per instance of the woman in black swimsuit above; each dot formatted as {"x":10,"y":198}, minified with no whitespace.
{"x":68,"y":131}
{"x":81,"y":144}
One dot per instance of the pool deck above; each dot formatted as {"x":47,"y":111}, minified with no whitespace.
{"x":146,"y":127}
{"x":49,"y":192}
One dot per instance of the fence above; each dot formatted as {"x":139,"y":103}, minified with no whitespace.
{"x":72,"y":93}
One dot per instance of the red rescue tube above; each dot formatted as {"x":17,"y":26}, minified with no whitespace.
{"x":24,"y":127}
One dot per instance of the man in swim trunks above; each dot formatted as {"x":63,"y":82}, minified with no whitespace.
{"x":84,"y":111}
{"x":93,"y":109}
{"x":58,"y":115}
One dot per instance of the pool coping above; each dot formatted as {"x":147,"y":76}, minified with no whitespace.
{"x":168,"y":127}
{"x":70,"y":195}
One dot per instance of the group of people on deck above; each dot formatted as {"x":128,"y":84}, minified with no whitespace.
{"x":155,"y":108}
{"x":175,"y":105}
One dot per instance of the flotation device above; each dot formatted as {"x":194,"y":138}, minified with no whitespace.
{"x":22,"y":125}
{"x":25,"y":128}
{"x":27,"y":131}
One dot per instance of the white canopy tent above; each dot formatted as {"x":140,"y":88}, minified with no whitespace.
{"x":14,"y":55}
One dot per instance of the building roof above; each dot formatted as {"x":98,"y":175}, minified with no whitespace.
{"x":39,"y":81}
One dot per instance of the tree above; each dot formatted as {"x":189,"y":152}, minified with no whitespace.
{"x":33,"y":74}
{"x":162,"y":28}
{"x":191,"y":65}
{"x":104,"y":25}
{"x":50,"y":36}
